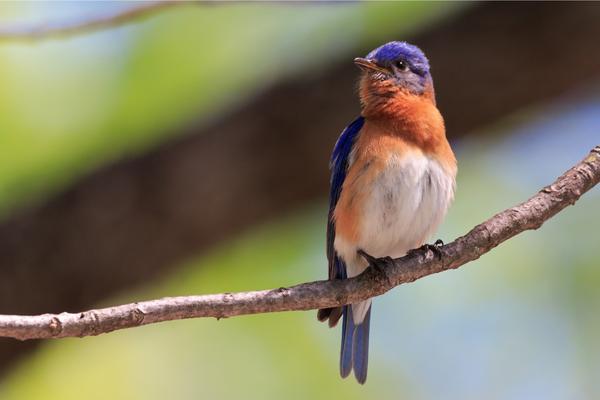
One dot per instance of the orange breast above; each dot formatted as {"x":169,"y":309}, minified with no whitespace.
{"x":414,"y":125}
{"x":368,"y":159}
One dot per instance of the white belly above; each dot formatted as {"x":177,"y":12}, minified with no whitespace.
{"x":405,"y":205}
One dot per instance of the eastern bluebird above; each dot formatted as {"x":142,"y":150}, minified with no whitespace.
{"x":392,"y":180}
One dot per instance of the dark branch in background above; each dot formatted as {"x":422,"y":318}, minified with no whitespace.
{"x":78,"y":26}
{"x":132,"y":221}
{"x":84,"y":25}
{"x":531,"y":214}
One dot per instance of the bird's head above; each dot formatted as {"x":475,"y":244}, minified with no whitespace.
{"x":396,"y":68}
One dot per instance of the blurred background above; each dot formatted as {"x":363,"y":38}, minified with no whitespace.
{"x":186,"y":153}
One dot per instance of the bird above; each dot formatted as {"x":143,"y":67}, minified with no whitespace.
{"x":393,"y":178}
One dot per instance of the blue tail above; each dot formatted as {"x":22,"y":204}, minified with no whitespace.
{"x":355,"y":346}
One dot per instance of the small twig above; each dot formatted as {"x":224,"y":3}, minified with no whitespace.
{"x":531,"y":214}
{"x":80,"y":25}
{"x":36,"y":32}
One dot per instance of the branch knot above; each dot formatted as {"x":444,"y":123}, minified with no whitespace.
{"x":55,"y":326}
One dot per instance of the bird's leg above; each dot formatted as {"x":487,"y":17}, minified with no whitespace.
{"x":434,"y":248}
{"x":378,"y":264}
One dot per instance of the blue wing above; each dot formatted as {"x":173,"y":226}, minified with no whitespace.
{"x":339,"y":166}
{"x":355,"y":337}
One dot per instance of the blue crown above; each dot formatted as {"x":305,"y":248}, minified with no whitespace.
{"x":394,"y":51}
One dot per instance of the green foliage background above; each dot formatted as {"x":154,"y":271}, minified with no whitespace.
{"x":520,"y":323}
{"x":69,"y":105}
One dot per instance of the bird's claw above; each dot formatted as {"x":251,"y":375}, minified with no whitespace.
{"x":435,"y":248}
{"x":378,"y":264}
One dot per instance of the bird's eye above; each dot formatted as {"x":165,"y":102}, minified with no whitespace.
{"x":401,"y":66}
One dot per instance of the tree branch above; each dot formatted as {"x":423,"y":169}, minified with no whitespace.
{"x":531,"y":214}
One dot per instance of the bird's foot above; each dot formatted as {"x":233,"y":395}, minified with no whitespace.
{"x":434,"y":248}
{"x":378,"y":264}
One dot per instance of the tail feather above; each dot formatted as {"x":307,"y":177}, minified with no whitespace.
{"x":360,"y":349}
{"x":347,"y":339}
{"x":332,"y":315}
{"x":355,"y":345}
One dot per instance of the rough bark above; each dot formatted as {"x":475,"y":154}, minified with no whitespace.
{"x":531,"y":214}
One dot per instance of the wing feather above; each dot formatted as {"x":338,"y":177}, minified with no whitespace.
{"x":339,"y":167}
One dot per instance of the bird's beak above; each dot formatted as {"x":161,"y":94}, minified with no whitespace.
{"x":369,"y":65}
